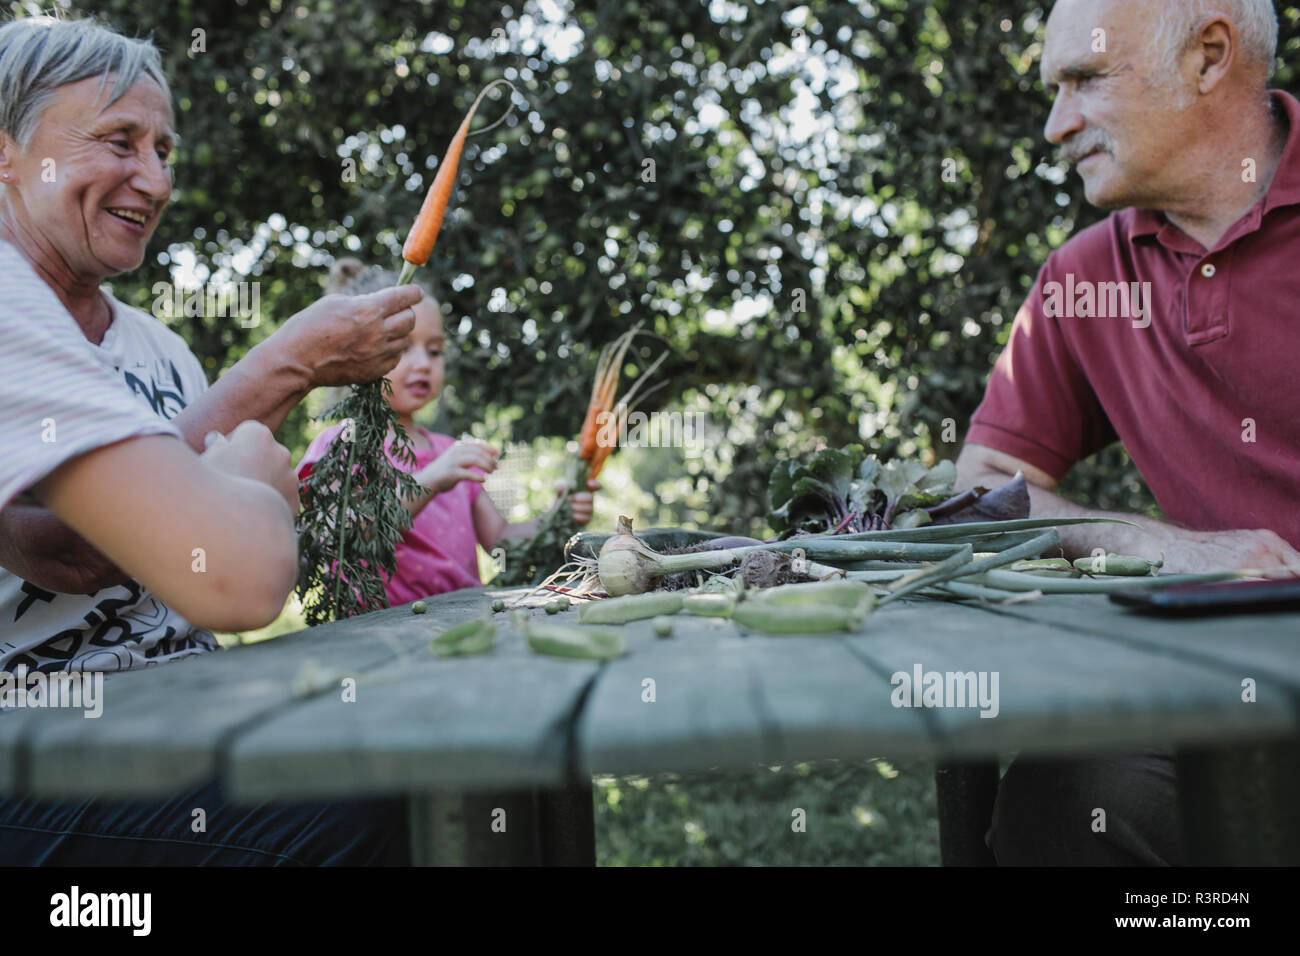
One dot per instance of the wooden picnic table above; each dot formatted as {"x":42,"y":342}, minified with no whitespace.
{"x":514,"y":731}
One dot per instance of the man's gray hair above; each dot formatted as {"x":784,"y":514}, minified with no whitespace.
{"x":1175,"y":24}
{"x":40,"y":54}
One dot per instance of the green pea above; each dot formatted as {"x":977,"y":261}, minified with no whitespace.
{"x":498,"y":605}
{"x":662,"y":626}
{"x":419,"y":607}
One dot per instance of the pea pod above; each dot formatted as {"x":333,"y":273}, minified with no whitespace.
{"x":800,"y":619}
{"x":843,"y":593}
{"x":472,"y":637}
{"x":1128,"y":565}
{"x":633,"y":607}
{"x":1047,"y":568}
{"x":709,"y":605}
{"x":574,"y":641}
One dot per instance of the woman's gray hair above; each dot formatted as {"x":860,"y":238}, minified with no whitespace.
{"x":40,"y":54}
{"x":1175,"y":23}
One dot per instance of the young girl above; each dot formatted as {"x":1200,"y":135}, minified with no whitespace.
{"x":452,"y":514}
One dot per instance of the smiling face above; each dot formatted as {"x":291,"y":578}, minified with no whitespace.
{"x":417,"y":379}
{"x":110,"y":178}
{"x":1114,"y":112}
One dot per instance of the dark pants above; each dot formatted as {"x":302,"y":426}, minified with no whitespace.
{"x":149,"y":833}
{"x":1046,"y":813}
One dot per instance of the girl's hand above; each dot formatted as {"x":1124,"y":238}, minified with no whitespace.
{"x":453,"y":466}
{"x":582,"y":502}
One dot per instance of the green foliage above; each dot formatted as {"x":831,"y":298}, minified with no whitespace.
{"x":849,"y":490}
{"x":352,"y":515}
{"x":857,"y":814}
{"x":838,"y":232}
{"x":529,"y":561}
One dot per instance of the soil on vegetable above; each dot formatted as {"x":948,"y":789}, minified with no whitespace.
{"x":760,"y":569}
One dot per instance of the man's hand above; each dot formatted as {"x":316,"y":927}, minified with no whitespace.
{"x":349,"y":339}
{"x":251,"y":451}
{"x":1185,"y":551}
{"x":454,"y":466}
{"x":1193,"y":551}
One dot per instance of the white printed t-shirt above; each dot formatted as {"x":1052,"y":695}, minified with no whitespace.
{"x":51,"y":374}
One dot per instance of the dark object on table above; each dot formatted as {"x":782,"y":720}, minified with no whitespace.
{"x":1005,"y":502}
{"x":1221,"y":597}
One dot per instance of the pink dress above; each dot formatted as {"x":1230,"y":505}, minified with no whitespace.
{"x":438,"y":553}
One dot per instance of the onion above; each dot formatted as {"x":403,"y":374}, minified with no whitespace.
{"x":627,"y":565}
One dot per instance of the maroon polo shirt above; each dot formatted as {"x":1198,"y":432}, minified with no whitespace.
{"x":1215,"y":367}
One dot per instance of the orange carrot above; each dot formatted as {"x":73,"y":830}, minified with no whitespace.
{"x":604,"y":448}
{"x":424,"y":232}
{"x":585,"y":434}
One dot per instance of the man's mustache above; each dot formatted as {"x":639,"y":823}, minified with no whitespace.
{"x":1074,"y":151}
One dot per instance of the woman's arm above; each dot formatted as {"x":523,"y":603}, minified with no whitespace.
{"x":212,"y":536}
{"x":336,"y":340}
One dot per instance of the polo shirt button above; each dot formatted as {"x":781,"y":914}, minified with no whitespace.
{"x":1208,"y":270}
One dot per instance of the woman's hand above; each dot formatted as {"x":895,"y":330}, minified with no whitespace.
{"x":251,"y":451}
{"x":453,"y":466}
{"x":341,"y":339}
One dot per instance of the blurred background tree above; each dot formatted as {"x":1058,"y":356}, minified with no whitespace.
{"x":829,"y":211}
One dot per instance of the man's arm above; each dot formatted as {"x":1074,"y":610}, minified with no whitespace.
{"x":335,"y":341}
{"x":1184,"y":550}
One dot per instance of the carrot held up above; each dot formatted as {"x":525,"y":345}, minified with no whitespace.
{"x":424,"y":232}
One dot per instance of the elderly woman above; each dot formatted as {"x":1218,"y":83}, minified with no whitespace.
{"x":85,"y":135}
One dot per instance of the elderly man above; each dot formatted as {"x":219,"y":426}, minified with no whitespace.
{"x":85,"y":133}
{"x":1164,"y":106}
{"x":92,"y":108}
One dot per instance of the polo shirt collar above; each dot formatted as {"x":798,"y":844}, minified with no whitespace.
{"x":1284,"y":190}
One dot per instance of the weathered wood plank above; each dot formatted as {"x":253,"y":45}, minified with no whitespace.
{"x":1266,"y":644}
{"x":164,"y":728}
{"x":1061,"y":690}
{"x":732,"y":701}
{"x":727,"y":700}
{"x":493,"y":721}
